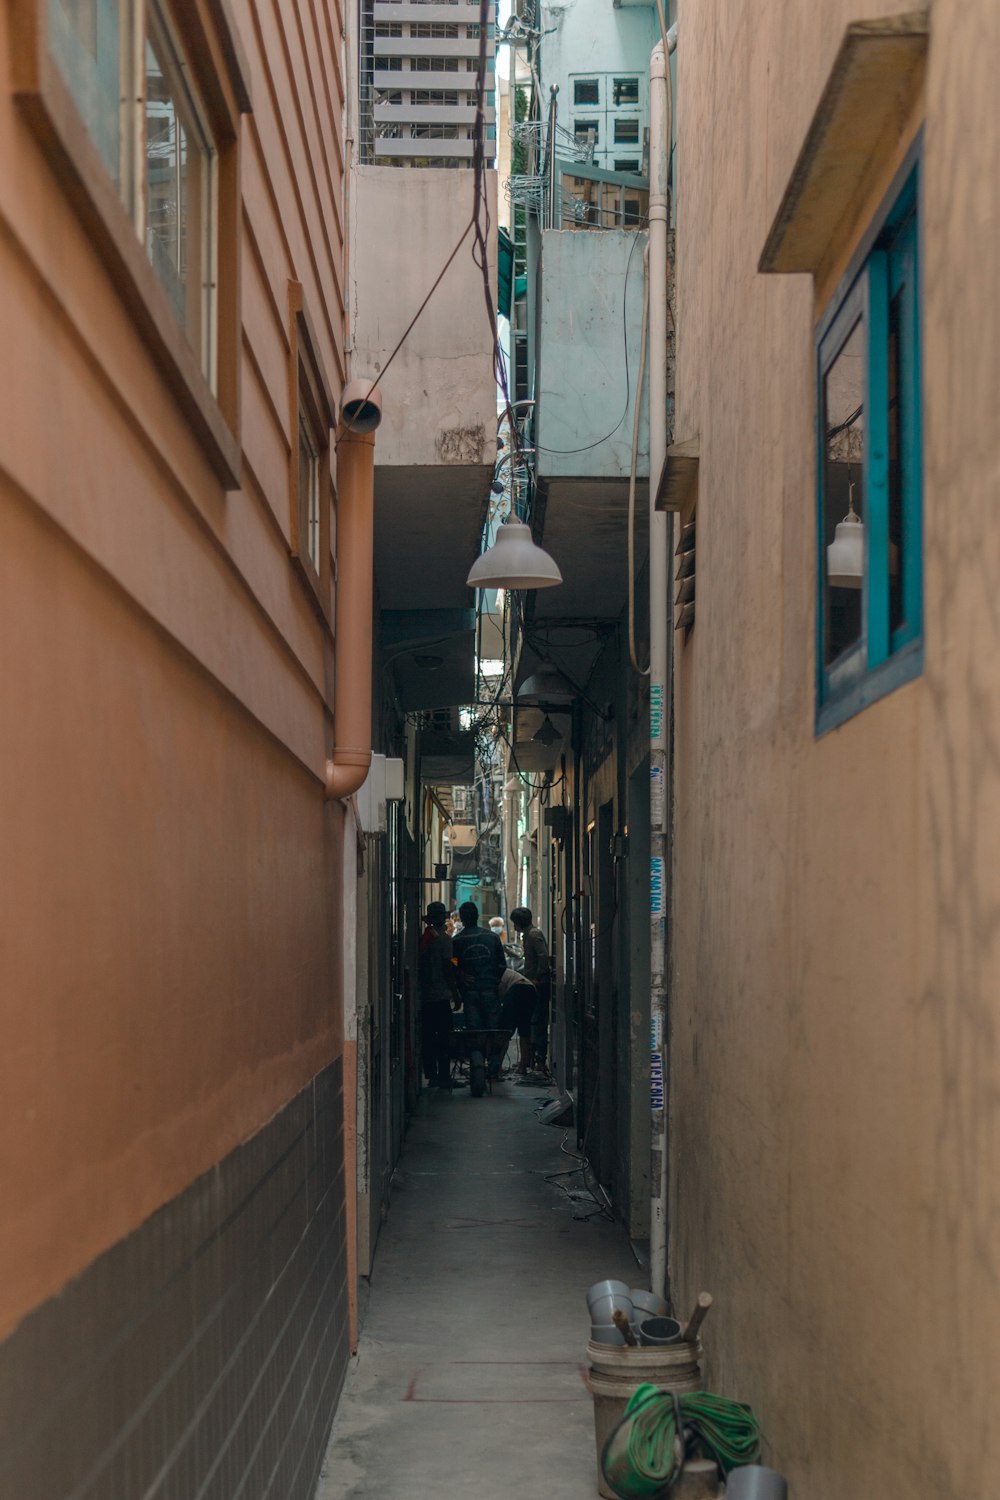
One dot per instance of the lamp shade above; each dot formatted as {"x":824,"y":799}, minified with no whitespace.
{"x":546,"y":733}
{"x":845,"y":556}
{"x":513,"y":562}
{"x":548,"y":683}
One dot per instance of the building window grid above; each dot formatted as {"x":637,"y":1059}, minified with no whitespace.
{"x":625,"y":91}
{"x":869,"y":639}
{"x":398,"y":98}
{"x":437,"y":65}
{"x":434,"y":96}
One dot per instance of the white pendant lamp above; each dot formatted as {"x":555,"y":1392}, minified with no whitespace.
{"x":546,"y":683}
{"x":513,"y":562}
{"x":845,"y":556}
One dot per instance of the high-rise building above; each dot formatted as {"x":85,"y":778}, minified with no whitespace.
{"x":418,"y":82}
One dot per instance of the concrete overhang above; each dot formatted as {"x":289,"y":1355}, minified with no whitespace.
{"x":585,"y":529}
{"x":448,"y":759}
{"x":677,"y":490}
{"x":432,"y":655}
{"x":427,"y":528}
{"x":868,"y":98}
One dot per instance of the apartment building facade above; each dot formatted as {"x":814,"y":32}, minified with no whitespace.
{"x":417,"y":81}
{"x":175,"y":1313}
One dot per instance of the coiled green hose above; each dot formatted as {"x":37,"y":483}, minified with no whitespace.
{"x":645,"y":1453}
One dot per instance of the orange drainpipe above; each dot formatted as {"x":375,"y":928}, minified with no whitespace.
{"x":361,"y":413}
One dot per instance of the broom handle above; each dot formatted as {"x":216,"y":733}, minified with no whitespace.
{"x":621,"y":1322}
{"x":697,"y":1317}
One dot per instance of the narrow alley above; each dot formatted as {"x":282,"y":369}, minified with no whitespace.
{"x":499,"y":557}
{"x":470,"y":1373}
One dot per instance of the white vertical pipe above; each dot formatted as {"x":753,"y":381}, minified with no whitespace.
{"x":659,"y":611}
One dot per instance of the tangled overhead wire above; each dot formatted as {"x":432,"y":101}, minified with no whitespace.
{"x":481,"y":222}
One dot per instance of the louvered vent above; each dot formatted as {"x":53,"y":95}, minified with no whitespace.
{"x":685,"y":578}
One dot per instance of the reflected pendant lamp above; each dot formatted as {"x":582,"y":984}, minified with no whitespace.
{"x":513,"y":562}
{"x":845,"y":556}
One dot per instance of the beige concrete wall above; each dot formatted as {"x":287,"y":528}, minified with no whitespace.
{"x":168,"y":974}
{"x":440,"y":394}
{"x":835,"y":1075}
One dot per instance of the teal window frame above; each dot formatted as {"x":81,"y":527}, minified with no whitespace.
{"x":885,"y":267}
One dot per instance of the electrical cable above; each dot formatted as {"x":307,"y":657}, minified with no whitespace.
{"x":602,"y":1210}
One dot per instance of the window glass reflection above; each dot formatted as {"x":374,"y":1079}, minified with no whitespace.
{"x":178,"y":167}
{"x":309,"y":516}
{"x":843,"y":458}
{"x":896,"y":605}
{"x":86,"y":39}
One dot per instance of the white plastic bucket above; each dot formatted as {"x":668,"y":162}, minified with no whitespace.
{"x":616,"y":1373}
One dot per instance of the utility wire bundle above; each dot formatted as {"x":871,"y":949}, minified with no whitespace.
{"x":644,"y":1455}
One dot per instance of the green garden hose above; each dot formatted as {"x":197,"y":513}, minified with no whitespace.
{"x":645,"y":1453}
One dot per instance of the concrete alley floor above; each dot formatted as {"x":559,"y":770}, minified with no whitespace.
{"x":469,"y":1377}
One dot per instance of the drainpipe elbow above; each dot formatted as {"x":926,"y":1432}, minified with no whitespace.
{"x":346,"y":773}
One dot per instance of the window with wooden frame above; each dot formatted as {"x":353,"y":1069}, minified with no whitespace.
{"x":312,"y":418}
{"x":136,"y":104}
{"x":864,"y":145}
{"x":869,"y":552}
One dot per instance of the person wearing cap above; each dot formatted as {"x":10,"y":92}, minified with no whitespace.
{"x":538,"y":969}
{"x":437,"y":987}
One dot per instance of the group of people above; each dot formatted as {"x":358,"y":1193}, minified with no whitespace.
{"x":468,"y":971}
{"x":453,"y":924}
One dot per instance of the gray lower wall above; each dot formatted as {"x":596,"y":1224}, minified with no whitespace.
{"x":202,"y":1357}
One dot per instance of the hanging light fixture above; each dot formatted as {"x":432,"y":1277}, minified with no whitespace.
{"x":513,"y":562}
{"x":547,"y":684}
{"x":845,"y":556}
{"x":546,"y":733}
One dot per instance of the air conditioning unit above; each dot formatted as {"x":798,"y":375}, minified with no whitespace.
{"x":385,"y":783}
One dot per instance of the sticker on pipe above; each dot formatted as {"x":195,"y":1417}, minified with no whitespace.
{"x":656,"y":1081}
{"x":655,"y":711}
{"x":656,"y":895}
{"x":656,"y":784}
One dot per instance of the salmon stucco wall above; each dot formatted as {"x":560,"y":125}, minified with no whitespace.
{"x":170,"y":891}
{"x":835,"y":1071}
